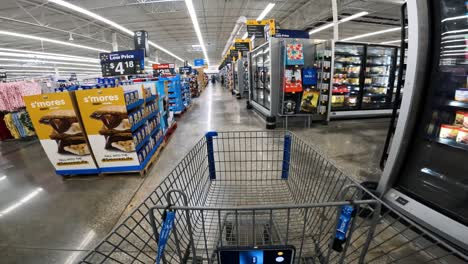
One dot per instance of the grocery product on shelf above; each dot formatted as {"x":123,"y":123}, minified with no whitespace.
{"x":461,"y":95}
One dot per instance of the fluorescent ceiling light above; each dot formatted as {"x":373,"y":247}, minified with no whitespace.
{"x":321,"y":28}
{"x":50,"y":53}
{"x":110,"y":23}
{"x":265,"y":12}
{"x":91,"y":14}
{"x":37,"y":56}
{"x":196,"y":26}
{"x":46,"y":67}
{"x":246,"y":34}
{"x":392,"y":41}
{"x":360,"y":14}
{"x":13,"y":34}
{"x":196,"y":46}
{"x":372,"y":34}
{"x":3,"y":177}
{"x":49,"y":62}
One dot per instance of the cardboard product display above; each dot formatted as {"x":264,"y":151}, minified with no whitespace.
{"x":294,"y":54}
{"x":292,"y":81}
{"x":106,"y":121}
{"x":310,"y":99}
{"x":62,"y":136}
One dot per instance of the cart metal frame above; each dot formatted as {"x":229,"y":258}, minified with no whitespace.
{"x":267,"y":188}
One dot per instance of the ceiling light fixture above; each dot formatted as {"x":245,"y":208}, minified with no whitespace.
{"x":196,"y":26}
{"x":13,"y":34}
{"x":50,"y":53}
{"x":392,"y":41}
{"x":329,"y":25}
{"x":38,"y":56}
{"x":372,"y":34}
{"x":49,"y":62}
{"x":246,"y":34}
{"x":265,"y":12}
{"x":110,"y":23}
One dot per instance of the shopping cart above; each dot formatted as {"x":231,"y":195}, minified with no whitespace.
{"x":265,"y":194}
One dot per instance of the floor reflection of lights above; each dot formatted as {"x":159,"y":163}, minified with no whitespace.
{"x":89,"y":236}
{"x":20,"y":202}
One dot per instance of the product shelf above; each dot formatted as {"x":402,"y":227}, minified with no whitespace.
{"x":135,"y":105}
{"x":451,"y":143}
{"x":457,"y":104}
{"x":138,"y":125}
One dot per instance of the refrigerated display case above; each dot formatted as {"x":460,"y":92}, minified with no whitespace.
{"x":378,"y":78}
{"x":363,"y":79}
{"x":241,"y":87}
{"x":426,"y":176}
{"x":347,"y":77}
{"x":262,"y":97}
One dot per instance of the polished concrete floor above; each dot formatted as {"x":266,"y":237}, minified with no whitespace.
{"x":47,"y":219}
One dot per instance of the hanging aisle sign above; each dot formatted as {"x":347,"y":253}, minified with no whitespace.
{"x":257,"y":28}
{"x":164,"y":69}
{"x":122,"y":62}
{"x":242,"y":45}
{"x":185,"y":70}
{"x":291,"y":33}
{"x":141,"y":41}
{"x":199,"y":62}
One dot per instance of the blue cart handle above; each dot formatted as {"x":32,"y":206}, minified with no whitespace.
{"x":168,"y":218}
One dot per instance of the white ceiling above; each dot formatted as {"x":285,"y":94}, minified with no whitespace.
{"x":169,"y":25}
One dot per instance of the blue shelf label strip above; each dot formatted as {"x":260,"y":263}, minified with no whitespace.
{"x":286,"y":156}
{"x":211,"y":161}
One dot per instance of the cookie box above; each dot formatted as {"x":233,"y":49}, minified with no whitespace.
{"x":448,"y":132}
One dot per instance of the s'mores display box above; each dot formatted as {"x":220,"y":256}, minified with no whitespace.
{"x":122,"y":126}
{"x":60,"y":132}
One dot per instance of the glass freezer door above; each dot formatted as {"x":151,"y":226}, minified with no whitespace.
{"x":347,"y":76}
{"x":254,"y":78}
{"x":379,"y":75}
{"x":266,"y":77}
{"x":436,"y":170}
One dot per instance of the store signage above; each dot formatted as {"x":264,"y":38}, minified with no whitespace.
{"x":242,"y":45}
{"x":234,"y":54}
{"x":140,"y":39}
{"x":199,"y":62}
{"x":256,"y":28}
{"x":185,"y":70}
{"x":164,"y":69}
{"x":62,"y":137}
{"x":3,"y":74}
{"x":122,"y":62}
{"x":105,"y":119}
{"x":73,"y":77}
{"x":290,"y":33}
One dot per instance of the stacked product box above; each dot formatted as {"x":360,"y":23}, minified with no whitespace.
{"x":120,"y":130}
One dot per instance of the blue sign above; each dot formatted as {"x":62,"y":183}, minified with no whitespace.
{"x":291,"y":33}
{"x":309,"y":76}
{"x":199,"y":62}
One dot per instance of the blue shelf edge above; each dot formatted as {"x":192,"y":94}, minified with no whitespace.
{"x":142,"y":143}
{"x":152,"y":114}
{"x":156,"y":146}
{"x":151,"y":98}
{"x":138,"y":125}
{"x":77,"y":172}
{"x":156,"y":129}
{"x":135,"y":104}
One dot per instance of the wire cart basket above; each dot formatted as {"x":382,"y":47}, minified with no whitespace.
{"x":268,"y":193}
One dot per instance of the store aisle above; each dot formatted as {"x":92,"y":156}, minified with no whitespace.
{"x":45,"y":219}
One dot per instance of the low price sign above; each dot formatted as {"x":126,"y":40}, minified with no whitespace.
{"x":122,"y":62}
{"x":164,"y":69}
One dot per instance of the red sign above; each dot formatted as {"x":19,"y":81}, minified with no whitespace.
{"x":163,"y":66}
